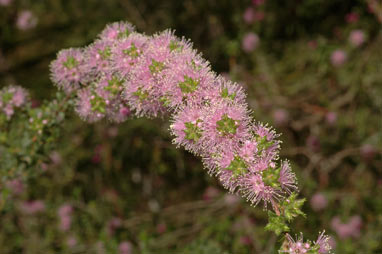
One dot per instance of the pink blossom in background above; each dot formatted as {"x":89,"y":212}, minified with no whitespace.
{"x":318,"y":202}
{"x":313,"y":143}
{"x":32,"y":207}
{"x":231,"y":199}
{"x":249,"y":15}
{"x":125,"y":248}
{"x":71,"y":241}
{"x":280,"y":117}
{"x":258,"y":2}
{"x":357,"y":37}
{"x":346,"y":230}
{"x":352,"y":17}
{"x":331,"y":118}
{"x":250,"y":42}
{"x":65,"y":216}
{"x":338,"y":57}
{"x":245,"y":240}
{"x":5,"y":2}
{"x":16,"y":186}
{"x":26,"y":20}
{"x":312,"y":44}
{"x":161,"y":228}
{"x":367,"y":152}
{"x":210,"y":193}
{"x":112,"y":225}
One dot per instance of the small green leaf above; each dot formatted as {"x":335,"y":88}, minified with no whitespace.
{"x":227,"y":125}
{"x":276,"y":224}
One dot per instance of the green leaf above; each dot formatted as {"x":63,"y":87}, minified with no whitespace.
{"x":276,"y":223}
{"x":291,"y":207}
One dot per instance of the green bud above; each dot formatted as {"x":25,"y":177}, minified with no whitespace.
{"x":174,"y":45}
{"x":132,"y":51}
{"x":271,"y":177}
{"x":142,"y":95}
{"x":237,"y":166}
{"x":156,"y":66}
{"x":105,"y":54}
{"x":189,"y":85}
{"x":71,"y":62}
{"x":224,"y":94}
{"x":192,"y":131}
{"x":227,"y":125}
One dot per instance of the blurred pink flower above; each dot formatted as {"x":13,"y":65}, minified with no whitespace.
{"x":71,"y":241}
{"x":346,"y":230}
{"x":26,"y":20}
{"x":338,"y":57}
{"x":112,"y":225}
{"x":32,"y":207}
{"x":258,"y":2}
{"x":313,"y":143}
{"x":210,"y":193}
{"x":312,"y":44}
{"x":231,"y":199}
{"x":331,"y":118}
{"x":125,"y":248}
{"x":280,"y":117}
{"x":367,"y":152}
{"x":352,"y":17}
{"x":161,"y":228}
{"x":250,"y":42}
{"x":249,"y":15}
{"x":65,"y":215}
{"x":318,"y":202}
{"x":16,"y":186}
{"x":5,"y":2}
{"x":357,"y":37}
{"x":55,"y":157}
{"x":245,"y":240}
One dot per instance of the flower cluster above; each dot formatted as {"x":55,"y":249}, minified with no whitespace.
{"x":321,"y":246}
{"x":11,"y":98}
{"x":125,"y":72}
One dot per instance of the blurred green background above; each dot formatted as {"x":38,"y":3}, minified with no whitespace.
{"x":311,"y":68}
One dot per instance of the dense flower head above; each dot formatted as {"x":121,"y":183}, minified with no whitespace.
{"x":98,"y":57}
{"x":68,"y":70}
{"x":125,"y":54}
{"x":338,"y":57}
{"x":116,"y":30}
{"x":11,"y":98}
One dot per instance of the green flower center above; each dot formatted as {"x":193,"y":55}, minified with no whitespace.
{"x":189,"y":85}
{"x":227,"y":125}
{"x":70,"y":63}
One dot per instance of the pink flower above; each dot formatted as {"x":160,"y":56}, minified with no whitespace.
{"x":338,"y":57}
{"x":331,"y":118}
{"x":280,"y":116}
{"x":68,"y":70}
{"x":32,"y":207}
{"x":26,"y":20}
{"x":352,"y":17}
{"x":250,"y":42}
{"x":318,"y":202}
{"x":313,"y":143}
{"x":210,"y":193}
{"x":16,"y":186}
{"x":249,"y":15}
{"x":357,"y":37}
{"x":161,"y":228}
{"x":116,"y":30}
{"x":71,"y":242}
{"x":125,"y":248}
{"x":346,"y":230}
{"x":258,"y":2}
{"x":5,"y":2}
{"x":65,"y":215}
{"x":368,"y":152}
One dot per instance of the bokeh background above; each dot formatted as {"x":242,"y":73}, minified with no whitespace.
{"x":311,"y":68}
